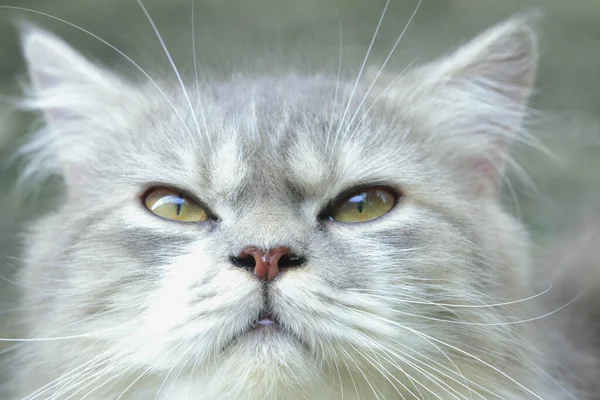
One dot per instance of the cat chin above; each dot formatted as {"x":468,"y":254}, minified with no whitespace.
{"x":262,"y":363}
{"x":263,"y":345}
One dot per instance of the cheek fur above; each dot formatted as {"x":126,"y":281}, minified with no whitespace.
{"x":200,"y":303}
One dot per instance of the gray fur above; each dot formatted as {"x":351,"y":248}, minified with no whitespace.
{"x":405,"y":305}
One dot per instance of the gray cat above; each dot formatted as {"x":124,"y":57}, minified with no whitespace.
{"x":286,"y":237}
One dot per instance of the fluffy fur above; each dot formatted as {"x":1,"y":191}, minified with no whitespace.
{"x":428,"y":301}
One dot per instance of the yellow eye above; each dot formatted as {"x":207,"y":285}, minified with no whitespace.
{"x":173,"y":205}
{"x":364,"y":205}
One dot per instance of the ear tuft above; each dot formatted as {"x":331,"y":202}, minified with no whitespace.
{"x":54,"y":65}
{"x":474,"y":100}
{"x":75,"y":97}
{"x":503,"y":59}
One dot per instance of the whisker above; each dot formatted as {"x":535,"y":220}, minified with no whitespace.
{"x":360,"y":72}
{"x":194,"y":364}
{"x":52,"y":339}
{"x":185,"y":354}
{"x":95,"y":378}
{"x":466,"y":382}
{"x":337,"y":80}
{"x":194,"y":51}
{"x":352,"y":379}
{"x":425,"y":336}
{"x":436,"y":380}
{"x":421,"y":334}
{"x":380,"y":95}
{"x":383,"y":66}
{"x":69,"y":376}
{"x":177,"y":74}
{"x":372,"y":343}
{"x":129,"y":59}
{"x":384,"y":374}
{"x":425,"y":302}
{"x":362,"y":373}
{"x":335,"y":364}
{"x":101,"y":374}
{"x":196,"y":79}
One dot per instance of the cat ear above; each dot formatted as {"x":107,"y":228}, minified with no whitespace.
{"x":474,"y":100}
{"x":73,"y":95}
{"x":484,"y":88}
{"x":501,"y":62}
{"x":55,"y":68}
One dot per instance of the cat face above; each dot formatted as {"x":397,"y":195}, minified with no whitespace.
{"x":270,"y":161}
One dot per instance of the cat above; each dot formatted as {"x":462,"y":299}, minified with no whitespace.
{"x":284,"y":236}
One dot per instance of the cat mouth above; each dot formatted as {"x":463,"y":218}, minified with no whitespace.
{"x":264,"y":329}
{"x":265,"y":320}
{"x":263,"y":326}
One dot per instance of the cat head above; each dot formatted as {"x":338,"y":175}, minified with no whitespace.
{"x":277,"y":229}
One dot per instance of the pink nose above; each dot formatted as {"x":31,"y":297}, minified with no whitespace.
{"x":267,"y":264}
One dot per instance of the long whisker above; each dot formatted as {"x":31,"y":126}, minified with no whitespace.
{"x":371,"y":343}
{"x":352,"y":379}
{"x":425,"y":302}
{"x":194,"y":49}
{"x":337,"y":81}
{"x":381,"y":95}
{"x":360,"y":72}
{"x":52,"y":339}
{"x":194,"y":365}
{"x":436,"y":380}
{"x":362,"y":373}
{"x":385,"y":374}
{"x":129,"y":59}
{"x":71,"y":374}
{"x":381,"y":370}
{"x":184,"y":354}
{"x":101,"y":374}
{"x":337,"y":368}
{"x":198,"y":96}
{"x":93,"y":378}
{"x":413,"y":380}
{"x":474,"y":357}
{"x":400,"y":37}
{"x":465,"y":382}
{"x":520,"y":321}
{"x":433,"y":339}
{"x":175,"y":70}
{"x":456,"y":370}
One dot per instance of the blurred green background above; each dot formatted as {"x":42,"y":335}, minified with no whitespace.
{"x":260,"y":35}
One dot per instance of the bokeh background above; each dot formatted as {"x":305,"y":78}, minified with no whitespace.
{"x":263,"y":35}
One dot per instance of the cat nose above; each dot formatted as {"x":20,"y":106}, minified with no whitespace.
{"x":266,"y":264}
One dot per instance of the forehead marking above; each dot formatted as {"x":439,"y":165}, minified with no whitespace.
{"x":228,"y":167}
{"x":307,"y":165}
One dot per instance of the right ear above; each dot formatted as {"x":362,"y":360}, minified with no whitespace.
{"x":475,"y":100}
{"x":74,"y":96}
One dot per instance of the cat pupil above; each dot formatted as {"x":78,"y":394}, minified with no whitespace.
{"x":360,"y":201}
{"x":179,"y":204}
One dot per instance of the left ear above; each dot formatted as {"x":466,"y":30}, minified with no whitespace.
{"x":484,"y":88}
{"x":474,"y":101}
{"x":500,"y":63}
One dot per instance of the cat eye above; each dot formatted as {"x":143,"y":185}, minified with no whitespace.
{"x":363,"y":205}
{"x":173,"y":205}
